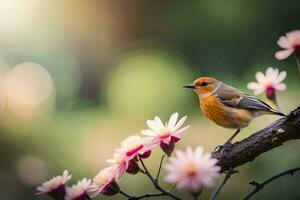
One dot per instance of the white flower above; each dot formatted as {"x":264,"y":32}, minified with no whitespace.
{"x":54,"y":183}
{"x":78,"y":191}
{"x":191,"y":170}
{"x":269,"y":83}
{"x":131,"y":148}
{"x":290,"y":43}
{"x":103,"y":181}
{"x":159,"y":133}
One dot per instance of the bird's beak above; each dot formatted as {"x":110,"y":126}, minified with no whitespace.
{"x":190,"y":86}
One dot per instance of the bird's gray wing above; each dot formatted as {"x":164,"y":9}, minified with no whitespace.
{"x":232,"y":97}
{"x":250,"y":103}
{"x":228,"y":95}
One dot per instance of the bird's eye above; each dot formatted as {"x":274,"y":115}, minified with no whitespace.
{"x":204,"y":83}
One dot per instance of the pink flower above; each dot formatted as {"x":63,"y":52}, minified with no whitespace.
{"x":104,"y":183}
{"x":191,"y":170}
{"x":78,"y":191}
{"x":55,"y":187}
{"x":120,"y":163}
{"x":164,"y":135}
{"x":290,"y":43}
{"x":133,"y":146}
{"x":125,"y":158}
{"x":268,"y":83}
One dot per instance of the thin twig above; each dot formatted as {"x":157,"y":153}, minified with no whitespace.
{"x":172,"y":187}
{"x":142,"y":171}
{"x":259,"y":186}
{"x":147,"y":196}
{"x":298,"y":61}
{"x":125,"y":194}
{"x":220,"y":187}
{"x":155,"y":183}
{"x":159,"y":168}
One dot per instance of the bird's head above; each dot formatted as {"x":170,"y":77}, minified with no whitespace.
{"x":203,"y":86}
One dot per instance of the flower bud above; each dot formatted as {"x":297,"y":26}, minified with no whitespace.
{"x":133,"y":167}
{"x":270,"y":93}
{"x":145,"y":155}
{"x":168,"y":148}
{"x":111,"y":189}
{"x":58,"y":193}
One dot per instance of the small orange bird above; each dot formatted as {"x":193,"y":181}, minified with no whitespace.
{"x":227,"y":106}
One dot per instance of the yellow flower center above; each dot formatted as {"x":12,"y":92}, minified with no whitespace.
{"x":102,"y":178}
{"x":117,"y":158}
{"x":132,"y":143}
{"x":165,"y":133}
{"x":53,"y":183}
{"x":191,"y":170}
{"x":77,"y":190}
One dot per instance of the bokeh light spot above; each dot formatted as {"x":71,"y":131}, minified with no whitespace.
{"x":31,"y":170}
{"x":27,"y":85}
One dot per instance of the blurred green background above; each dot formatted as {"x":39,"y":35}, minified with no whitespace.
{"x":104,"y":67}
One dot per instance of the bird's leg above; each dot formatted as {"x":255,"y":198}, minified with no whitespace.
{"x":228,"y":145}
{"x":233,"y":136}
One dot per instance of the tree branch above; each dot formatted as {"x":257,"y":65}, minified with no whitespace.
{"x":274,"y":135}
{"x":259,"y":186}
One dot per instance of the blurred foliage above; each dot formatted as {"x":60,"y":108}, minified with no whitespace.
{"x":139,"y":84}
{"x":115,"y":64}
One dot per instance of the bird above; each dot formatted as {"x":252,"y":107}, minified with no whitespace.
{"x":227,"y":106}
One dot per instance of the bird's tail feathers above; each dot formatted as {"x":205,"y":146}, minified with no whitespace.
{"x":276,"y":112}
{"x":270,"y":111}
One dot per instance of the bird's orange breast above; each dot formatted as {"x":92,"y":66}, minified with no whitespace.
{"x":224,"y":116}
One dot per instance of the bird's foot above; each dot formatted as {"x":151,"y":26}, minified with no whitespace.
{"x":225,"y":148}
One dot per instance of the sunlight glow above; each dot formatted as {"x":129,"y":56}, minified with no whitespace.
{"x":15,"y":14}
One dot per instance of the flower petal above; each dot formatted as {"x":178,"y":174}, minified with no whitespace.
{"x":179,"y":123}
{"x":158,"y":122}
{"x":152,"y":124}
{"x":280,"y":87}
{"x":149,"y":132}
{"x":258,"y":91}
{"x":182,"y":130}
{"x":253,"y":86}
{"x":281,"y":77}
{"x":281,"y":55}
{"x":270,"y":72}
{"x":293,"y":36}
{"x":260,"y":77}
{"x":284,"y":43}
{"x":172,"y":120}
